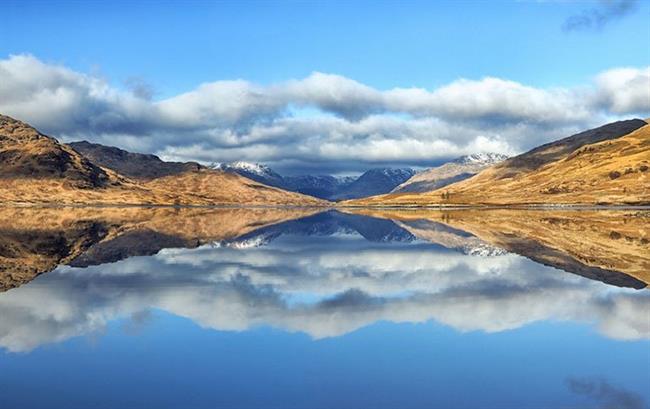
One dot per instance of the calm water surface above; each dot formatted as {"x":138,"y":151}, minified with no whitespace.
{"x":160,"y":308}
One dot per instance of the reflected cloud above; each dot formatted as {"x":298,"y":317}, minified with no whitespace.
{"x":324,"y":274}
{"x":323,"y":290}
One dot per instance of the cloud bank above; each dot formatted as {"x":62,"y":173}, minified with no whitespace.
{"x":323,"y":121}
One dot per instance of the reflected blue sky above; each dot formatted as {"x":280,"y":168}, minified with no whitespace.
{"x":169,"y":361}
{"x":315,"y":314}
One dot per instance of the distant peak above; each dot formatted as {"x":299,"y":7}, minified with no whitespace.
{"x":81,"y":143}
{"x":392,"y":171}
{"x":482,"y":158}
{"x":249,"y":167}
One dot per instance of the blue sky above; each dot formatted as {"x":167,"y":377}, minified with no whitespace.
{"x":170,"y":48}
{"x":384,"y":44}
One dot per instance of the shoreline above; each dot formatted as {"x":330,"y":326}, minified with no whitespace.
{"x":334,"y":206}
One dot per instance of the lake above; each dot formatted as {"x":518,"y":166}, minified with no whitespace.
{"x":305,"y":308}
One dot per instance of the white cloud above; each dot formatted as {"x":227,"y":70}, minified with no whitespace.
{"x":333,"y":93}
{"x":66,"y":102}
{"x":625,"y":90}
{"x":492,"y":98}
{"x":219,"y":104}
{"x":350,"y":124}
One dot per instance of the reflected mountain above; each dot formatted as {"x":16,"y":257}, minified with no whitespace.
{"x":141,"y":242}
{"x":36,"y":240}
{"x":608,"y":246}
{"x":328,"y":224}
{"x":604,"y":245}
{"x":449,"y":237}
{"x":338,"y":286}
{"x":324,"y":274}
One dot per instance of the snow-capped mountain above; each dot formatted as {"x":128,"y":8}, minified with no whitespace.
{"x":489,"y":158}
{"x":255,"y":171}
{"x":450,"y":172}
{"x":372,"y":182}
{"x":256,"y":168}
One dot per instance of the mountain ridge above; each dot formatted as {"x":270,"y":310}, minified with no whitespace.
{"x":375,"y":181}
{"x":453,"y":171}
{"x":604,"y":165}
{"x":130,"y":164}
{"x":37,"y":169}
{"x":372,"y":181}
{"x":27,"y":153}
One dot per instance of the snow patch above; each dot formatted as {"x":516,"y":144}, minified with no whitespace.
{"x":488,"y":158}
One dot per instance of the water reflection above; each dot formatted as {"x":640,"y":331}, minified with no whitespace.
{"x":606,"y":245}
{"x":324,"y":274}
{"x":35,"y":241}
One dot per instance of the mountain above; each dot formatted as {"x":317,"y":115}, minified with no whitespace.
{"x":132,"y":165}
{"x":374,"y":182}
{"x":450,"y":172}
{"x":254,"y":171}
{"x":147,"y":167}
{"x":37,"y":169}
{"x":27,"y":154}
{"x":605,"y":165}
{"x":323,"y":186}
{"x":207,"y":186}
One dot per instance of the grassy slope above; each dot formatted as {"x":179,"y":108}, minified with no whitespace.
{"x":439,"y":177}
{"x":37,"y":169}
{"x":211,"y":186}
{"x":612,"y":171}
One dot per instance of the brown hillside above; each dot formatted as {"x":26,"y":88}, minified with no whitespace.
{"x":594,"y":167}
{"x":129,"y":164}
{"x":26,"y":153}
{"x":208,"y":186}
{"x":446,"y":174}
{"x":37,"y":169}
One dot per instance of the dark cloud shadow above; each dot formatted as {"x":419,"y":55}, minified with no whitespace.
{"x":607,"y":396}
{"x":596,"y":18}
